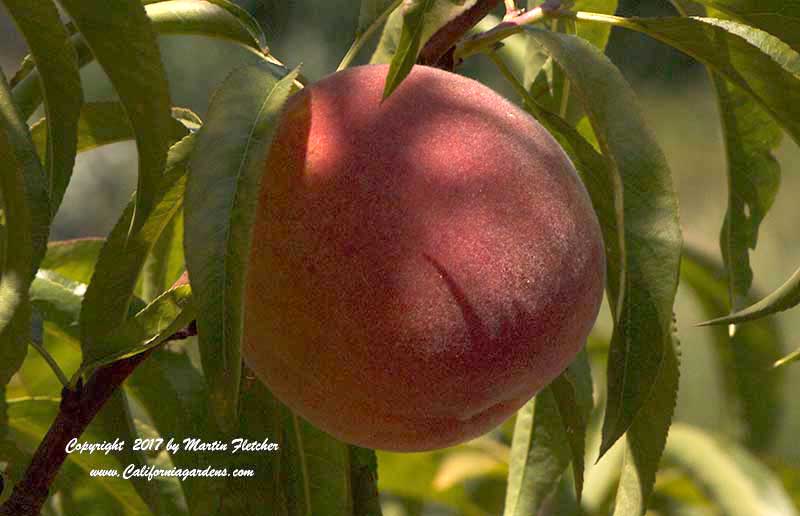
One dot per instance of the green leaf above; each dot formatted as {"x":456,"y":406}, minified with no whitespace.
{"x":642,"y":279}
{"x":763,"y":66}
{"x":219,"y":18}
{"x":364,"y":482}
{"x":753,"y":179}
{"x":166,"y":263}
{"x":439,"y":13}
{"x":373,"y":14}
{"x":125,"y":46}
{"x":73,"y":259}
{"x":55,"y":58}
{"x":646,"y":438}
{"x":780,"y":18}
{"x":735,"y":480}
{"x":100,"y":123}
{"x":788,"y":359}
{"x":29,"y":420}
{"x":108,"y":297}
{"x":315,"y":469}
{"x":221,"y":200}
{"x":745,"y":358}
{"x":595,"y":34}
{"x":169,"y":313}
{"x":26,"y":212}
{"x":550,"y":433}
{"x":58,"y":300}
{"x":409,"y":44}
{"x":412,"y":475}
{"x":183,"y":17}
{"x":785,"y":297}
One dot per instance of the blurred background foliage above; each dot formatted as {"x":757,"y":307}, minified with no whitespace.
{"x":678,"y":101}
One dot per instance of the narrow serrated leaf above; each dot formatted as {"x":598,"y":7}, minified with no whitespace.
{"x":73,"y":259}
{"x":763,"y":66}
{"x":57,"y":62}
{"x":408,"y":46}
{"x":373,"y":14}
{"x":745,"y":357}
{"x":642,"y":280}
{"x":125,"y":47}
{"x":738,"y":482}
{"x":646,"y":438}
{"x":166,"y":262}
{"x":221,"y":199}
{"x":596,"y":35}
{"x":785,"y":297}
{"x":780,"y":18}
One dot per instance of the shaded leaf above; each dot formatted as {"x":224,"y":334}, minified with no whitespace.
{"x":364,"y":482}
{"x":642,"y":279}
{"x":763,"y":66}
{"x":58,"y":300}
{"x":437,"y":14}
{"x":745,"y":358}
{"x":409,"y":44}
{"x":205,"y":18}
{"x":221,"y":199}
{"x":373,"y":14}
{"x":100,"y":123}
{"x":108,"y":297}
{"x":166,"y":261}
{"x":57,"y":62}
{"x":315,"y":469}
{"x":736,"y":480}
{"x":550,"y":433}
{"x":646,"y":438}
{"x":155,"y":323}
{"x":26,"y":213}
{"x":125,"y":46}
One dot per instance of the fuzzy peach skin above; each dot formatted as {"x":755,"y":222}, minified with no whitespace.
{"x":420,"y":267}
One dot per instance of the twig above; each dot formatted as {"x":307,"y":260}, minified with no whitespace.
{"x":438,"y":51}
{"x":78,"y":408}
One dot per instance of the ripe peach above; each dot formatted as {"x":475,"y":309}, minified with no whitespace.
{"x":420,"y":267}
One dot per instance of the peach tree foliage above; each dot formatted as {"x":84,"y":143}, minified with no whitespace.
{"x":112,"y":333}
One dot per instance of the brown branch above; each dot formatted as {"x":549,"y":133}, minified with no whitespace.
{"x":438,"y":51}
{"x":76,"y":411}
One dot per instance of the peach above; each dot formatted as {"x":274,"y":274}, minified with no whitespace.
{"x":421,"y":266}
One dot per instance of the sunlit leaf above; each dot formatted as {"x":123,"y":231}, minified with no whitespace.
{"x":736,"y":480}
{"x":57,"y":62}
{"x":411,"y":475}
{"x":745,"y":358}
{"x":788,"y":359}
{"x":166,"y":261}
{"x":73,"y":259}
{"x":642,"y":280}
{"x":596,"y":35}
{"x":780,"y":18}
{"x":785,"y":297}
{"x":221,"y":198}
{"x":122,"y":257}
{"x":125,"y":46}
